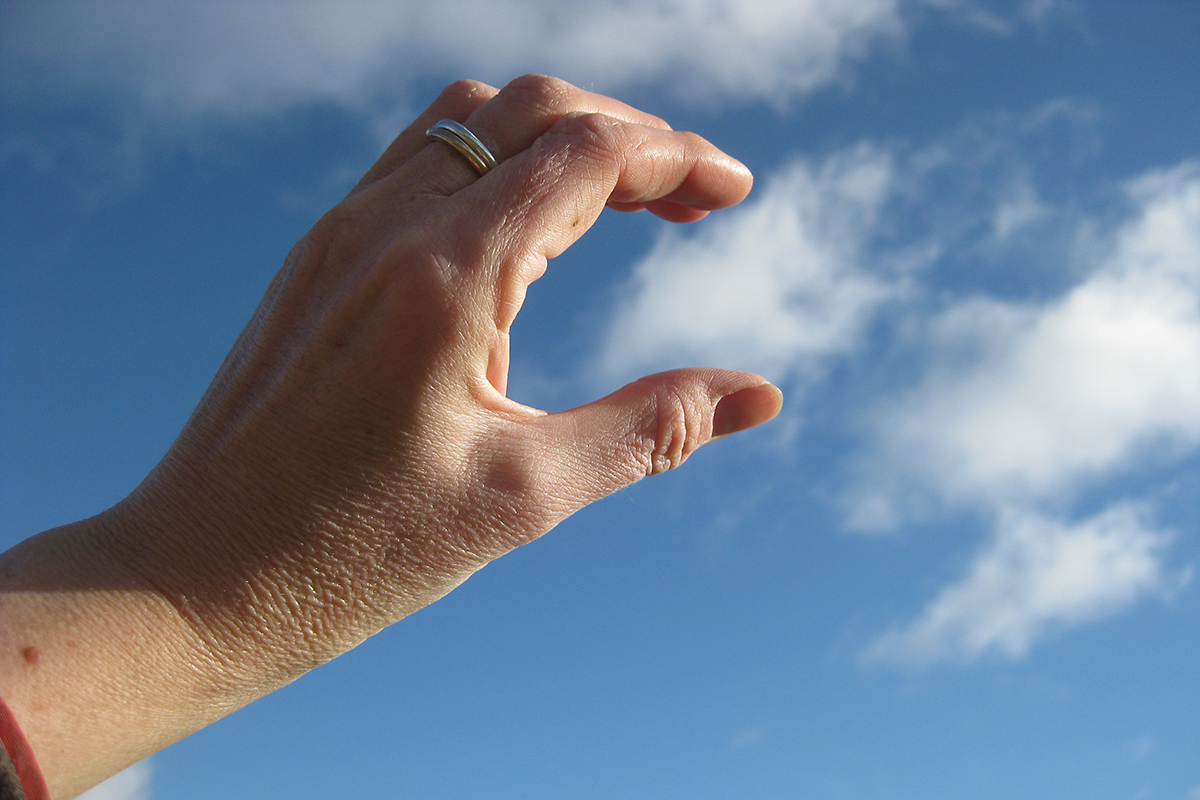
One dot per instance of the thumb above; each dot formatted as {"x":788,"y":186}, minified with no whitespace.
{"x":647,"y":427}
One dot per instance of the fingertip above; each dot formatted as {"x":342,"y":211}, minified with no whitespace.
{"x":746,"y":408}
{"x":674,"y":212}
{"x":740,"y":177}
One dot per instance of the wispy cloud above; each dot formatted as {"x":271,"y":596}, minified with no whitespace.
{"x":130,"y":784}
{"x":260,"y":56}
{"x":257,"y":57}
{"x":1051,"y":399}
{"x":1072,"y":389}
{"x":1012,"y":408}
{"x":774,"y":286}
{"x":1038,"y":576}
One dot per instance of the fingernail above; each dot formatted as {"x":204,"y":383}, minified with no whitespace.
{"x":746,"y":408}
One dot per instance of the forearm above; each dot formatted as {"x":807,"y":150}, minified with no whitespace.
{"x":98,"y":669}
{"x":126,"y":632}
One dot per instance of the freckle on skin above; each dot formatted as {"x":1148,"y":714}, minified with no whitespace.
{"x":31,"y":655}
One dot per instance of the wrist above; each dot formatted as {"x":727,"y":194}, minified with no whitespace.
{"x":269,"y":588}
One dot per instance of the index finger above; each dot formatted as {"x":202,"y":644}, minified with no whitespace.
{"x":585,"y":161}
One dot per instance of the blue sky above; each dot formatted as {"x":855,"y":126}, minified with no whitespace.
{"x":960,"y":564}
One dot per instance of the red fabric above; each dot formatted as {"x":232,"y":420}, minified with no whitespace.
{"x":22,"y":757}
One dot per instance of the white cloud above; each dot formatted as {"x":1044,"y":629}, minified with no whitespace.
{"x":1038,"y":576}
{"x":130,"y":784}
{"x":1028,"y":404}
{"x":774,"y":285}
{"x":770,"y":50}
{"x":1077,"y":388}
{"x":1018,"y":405}
{"x":256,"y":56}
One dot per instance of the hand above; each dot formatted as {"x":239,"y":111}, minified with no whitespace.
{"x":356,"y":457}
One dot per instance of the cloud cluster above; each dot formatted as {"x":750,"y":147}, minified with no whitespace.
{"x":1038,"y":575}
{"x":1059,"y":395}
{"x":775,"y":285}
{"x":1078,"y":387}
{"x":258,"y":57}
{"x":1018,"y":406}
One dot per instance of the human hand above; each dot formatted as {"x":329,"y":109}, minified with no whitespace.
{"x":356,"y":456}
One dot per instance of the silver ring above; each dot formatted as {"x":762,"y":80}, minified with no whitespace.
{"x":465,"y":142}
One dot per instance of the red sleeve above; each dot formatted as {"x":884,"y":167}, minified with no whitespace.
{"x":17,"y":762}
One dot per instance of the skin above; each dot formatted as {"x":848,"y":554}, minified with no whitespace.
{"x":356,"y":457}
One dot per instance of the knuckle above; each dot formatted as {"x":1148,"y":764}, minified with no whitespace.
{"x":595,"y":135}
{"x":466,"y":90}
{"x":692,"y":142}
{"x":543,"y":95}
{"x":679,"y":424}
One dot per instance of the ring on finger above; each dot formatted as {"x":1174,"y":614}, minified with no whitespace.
{"x":465,"y":142}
